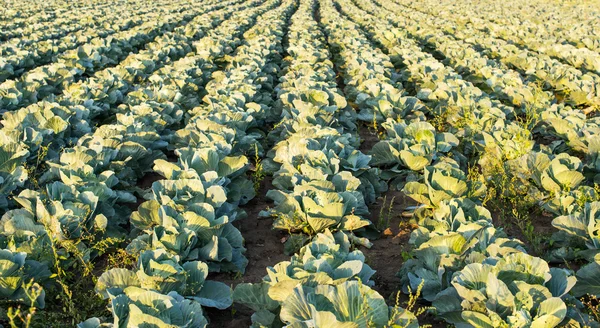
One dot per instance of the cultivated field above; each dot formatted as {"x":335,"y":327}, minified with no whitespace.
{"x":299,"y":163}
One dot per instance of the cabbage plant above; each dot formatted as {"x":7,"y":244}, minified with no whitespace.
{"x":388,"y":105}
{"x":209,"y":165}
{"x":203,"y":133}
{"x":315,"y":104}
{"x":409,"y":147}
{"x":59,"y":215}
{"x":20,"y":279}
{"x":12,"y":172}
{"x":555,"y":174}
{"x":412,"y":146}
{"x":318,"y":205}
{"x":161,"y":272}
{"x":309,"y":153}
{"x":443,"y":181}
{"x":517,"y":290}
{"x":452,"y":215}
{"x":587,"y":279}
{"x":198,"y":232}
{"x":579,"y":232}
{"x":437,"y":259}
{"x":137,"y":307}
{"x":504,"y":140}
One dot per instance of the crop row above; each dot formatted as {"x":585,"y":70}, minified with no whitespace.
{"x":575,"y":24}
{"x":43,"y":30}
{"x":19,"y":14}
{"x":21,"y":55}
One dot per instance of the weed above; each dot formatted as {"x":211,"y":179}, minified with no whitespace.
{"x":120,"y":258}
{"x":592,"y":306}
{"x":508,"y":195}
{"x":528,"y":230}
{"x":390,"y":209}
{"x":35,"y":171}
{"x":73,"y":279}
{"x":24,"y":318}
{"x":406,"y":256}
{"x":383,"y":220}
{"x":374,"y":128}
{"x":374,"y":122}
{"x":380,"y":218}
{"x":440,"y":119}
{"x":259,"y":172}
{"x":397,"y":320}
{"x":532,"y":113}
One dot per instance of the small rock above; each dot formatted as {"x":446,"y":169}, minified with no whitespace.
{"x":388,"y":232}
{"x":408,"y":214}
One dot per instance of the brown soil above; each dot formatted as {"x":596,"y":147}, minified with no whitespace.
{"x":148,"y":179}
{"x":264,"y":248}
{"x":144,"y":183}
{"x":385,"y":256}
{"x":368,"y":138}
